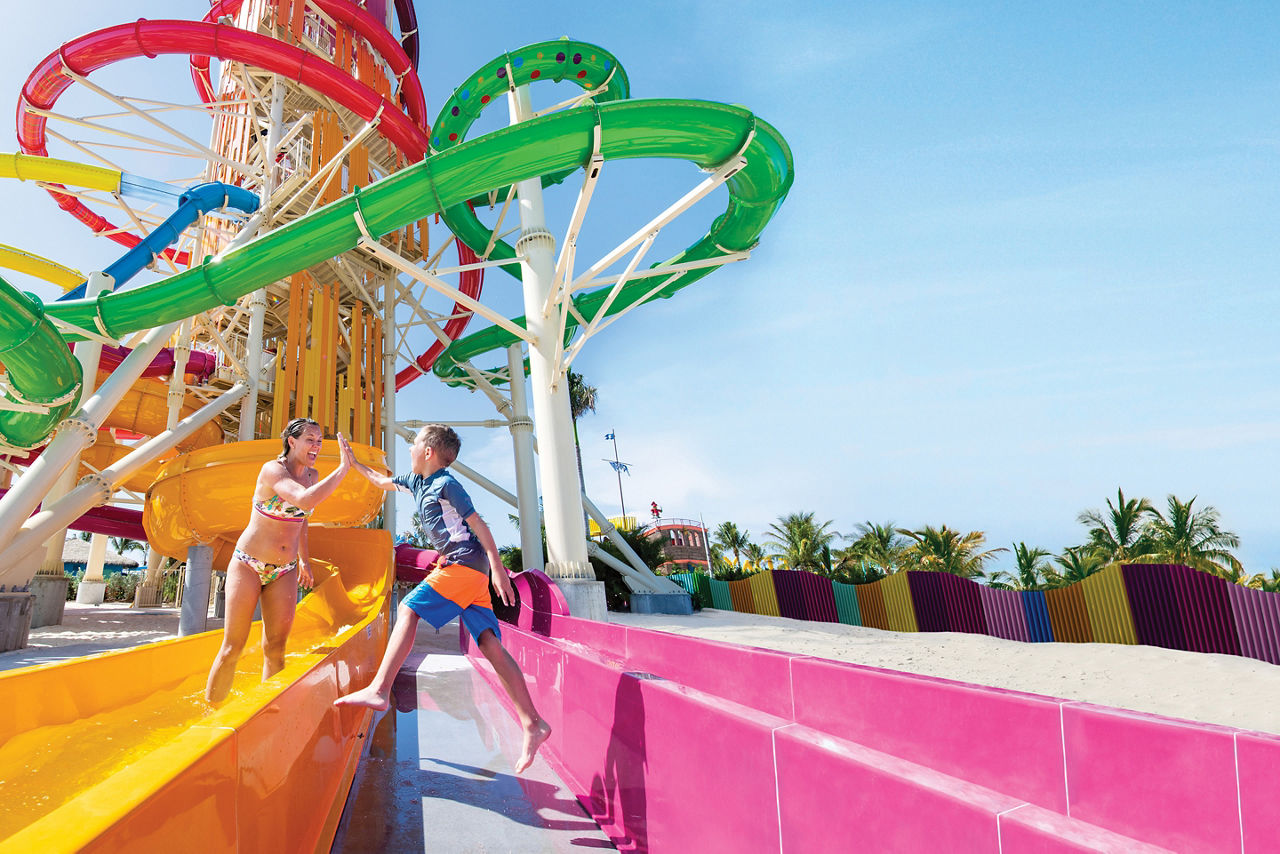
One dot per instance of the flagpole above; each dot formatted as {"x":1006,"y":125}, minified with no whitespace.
{"x":613,"y":434}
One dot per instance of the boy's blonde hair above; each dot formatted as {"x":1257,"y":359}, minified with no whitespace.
{"x":443,"y":440}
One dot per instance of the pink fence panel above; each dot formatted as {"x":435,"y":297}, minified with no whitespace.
{"x":1257,"y":616}
{"x":1006,"y":614}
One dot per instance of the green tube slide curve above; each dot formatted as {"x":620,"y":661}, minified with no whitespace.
{"x":707,"y":134}
{"x":41,"y":369}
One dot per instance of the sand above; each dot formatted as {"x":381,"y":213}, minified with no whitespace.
{"x":88,"y":629}
{"x":1220,"y":689}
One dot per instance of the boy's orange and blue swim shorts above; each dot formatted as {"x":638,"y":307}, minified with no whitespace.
{"x":452,"y":590}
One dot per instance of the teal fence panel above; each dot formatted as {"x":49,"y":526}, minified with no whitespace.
{"x":687,"y":580}
{"x":720,"y":597}
{"x":847,"y":604}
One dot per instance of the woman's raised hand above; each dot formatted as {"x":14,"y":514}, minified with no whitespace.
{"x":348,"y":455}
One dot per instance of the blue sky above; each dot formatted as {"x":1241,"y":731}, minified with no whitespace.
{"x":1030,"y":256}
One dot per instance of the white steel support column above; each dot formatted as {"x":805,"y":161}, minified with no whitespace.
{"x":50,"y":585}
{"x":177,"y":382}
{"x":258,"y":299}
{"x":389,"y":395}
{"x":253,"y":364}
{"x":526,"y":477}
{"x":93,"y":586}
{"x":561,"y":499}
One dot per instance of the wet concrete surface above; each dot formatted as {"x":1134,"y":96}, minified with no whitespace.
{"x":438,"y":774}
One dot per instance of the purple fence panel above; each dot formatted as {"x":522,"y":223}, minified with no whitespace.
{"x":929,"y":601}
{"x":819,"y":598}
{"x":1006,"y":615}
{"x":1207,"y":622}
{"x":963,"y":604}
{"x":790,"y":598}
{"x":1222,"y":620}
{"x":1155,"y":608}
{"x":1257,"y":616}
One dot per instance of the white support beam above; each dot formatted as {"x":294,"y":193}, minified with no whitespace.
{"x":688,"y":200}
{"x":370,"y":244}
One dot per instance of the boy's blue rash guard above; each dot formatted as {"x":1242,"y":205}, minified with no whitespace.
{"x":444,"y":506}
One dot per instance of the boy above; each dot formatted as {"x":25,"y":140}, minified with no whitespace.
{"x":459,"y":586}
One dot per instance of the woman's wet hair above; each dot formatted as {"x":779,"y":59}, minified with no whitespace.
{"x":294,"y":430}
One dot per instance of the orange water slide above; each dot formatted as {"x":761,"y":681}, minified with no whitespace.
{"x":206,"y":495}
{"x":144,"y":410}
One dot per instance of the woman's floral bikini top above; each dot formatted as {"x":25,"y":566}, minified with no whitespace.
{"x":277,"y":508}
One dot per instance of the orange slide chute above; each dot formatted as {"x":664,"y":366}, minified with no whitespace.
{"x":206,"y":496}
{"x":144,"y":410}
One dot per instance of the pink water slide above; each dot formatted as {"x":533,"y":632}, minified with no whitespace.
{"x":680,"y":744}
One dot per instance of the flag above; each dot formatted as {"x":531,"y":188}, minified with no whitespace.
{"x":619,"y":467}
{"x":608,"y":435}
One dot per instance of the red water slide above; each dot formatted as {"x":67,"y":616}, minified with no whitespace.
{"x":201,"y":40}
{"x":145,"y":38}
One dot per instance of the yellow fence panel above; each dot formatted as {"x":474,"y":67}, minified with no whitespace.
{"x":897,"y":603}
{"x":1109,"y":615}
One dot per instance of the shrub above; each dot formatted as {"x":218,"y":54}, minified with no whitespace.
{"x":73,"y":583}
{"x":121,"y":587}
{"x":169,"y":587}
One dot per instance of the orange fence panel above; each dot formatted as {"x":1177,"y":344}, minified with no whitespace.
{"x":871,"y":605}
{"x":740,"y":593}
{"x":1068,"y":614}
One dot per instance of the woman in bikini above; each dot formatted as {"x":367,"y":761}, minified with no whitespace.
{"x":271,"y":556}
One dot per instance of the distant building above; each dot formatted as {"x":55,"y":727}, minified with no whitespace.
{"x":684,"y":541}
{"x":75,"y":558}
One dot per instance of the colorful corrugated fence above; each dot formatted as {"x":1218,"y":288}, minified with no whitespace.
{"x":1154,"y":604}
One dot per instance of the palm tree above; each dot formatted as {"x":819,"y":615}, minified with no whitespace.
{"x":1031,"y":570}
{"x":755,"y":555}
{"x":1271,"y":583}
{"x":944,"y":550}
{"x":123,"y":545}
{"x":728,"y":538}
{"x":1076,"y":564}
{"x":582,"y":399}
{"x":800,"y":540}
{"x":1193,"y":538}
{"x":878,"y":547}
{"x":1118,"y":534}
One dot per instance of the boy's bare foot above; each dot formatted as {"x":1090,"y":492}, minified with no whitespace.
{"x":368,"y":698}
{"x":534,"y":736}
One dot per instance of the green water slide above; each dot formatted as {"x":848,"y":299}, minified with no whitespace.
{"x":704,"y":133}
{"x":754,"y":194}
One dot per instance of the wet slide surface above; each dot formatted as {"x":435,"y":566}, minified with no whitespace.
{"x":438,"y":772}
{"x":121,"y":748}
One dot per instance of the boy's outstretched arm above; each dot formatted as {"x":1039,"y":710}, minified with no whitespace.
{"x":378,"y":479}
{"x":497,"y":570}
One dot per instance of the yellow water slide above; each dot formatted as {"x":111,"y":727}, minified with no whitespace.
{"x":120,"y":752}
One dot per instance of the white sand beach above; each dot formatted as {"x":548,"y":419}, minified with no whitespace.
{"x":1220,"y":689}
